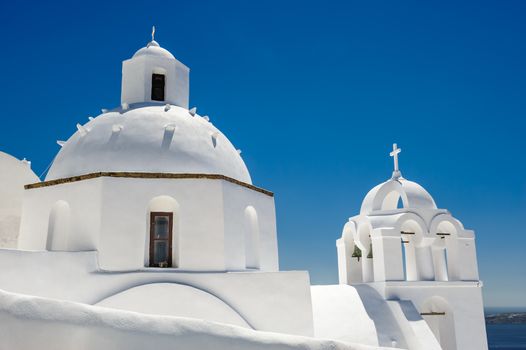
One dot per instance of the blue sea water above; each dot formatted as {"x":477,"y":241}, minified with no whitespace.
{"x":506,"y":336}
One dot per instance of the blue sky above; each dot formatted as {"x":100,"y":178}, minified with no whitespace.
{"x":314,"y":93}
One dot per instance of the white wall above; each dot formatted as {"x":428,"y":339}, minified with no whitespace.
{"x":137,"y":80}
{"x":463,"y":298}
{"x":237,"y":199}
{"x":36,"y":323}
{"x":339,"y":314}
{"x":84,"y":200}
{"x":75,"y":276}
{"x":14,"y":174}
{"x":111,"y":215}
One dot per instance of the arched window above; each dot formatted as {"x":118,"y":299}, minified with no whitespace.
{"x":251,"y":238}
{"x":58,"y":226}
{"x":440,"y":318}
{"x":162,"y":237}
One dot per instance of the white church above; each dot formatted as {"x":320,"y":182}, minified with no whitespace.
{"x":148,"y":231}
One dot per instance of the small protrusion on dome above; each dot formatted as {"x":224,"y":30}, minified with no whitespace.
{"x":83,"y":131}
{"x":170,"y":127}
{"x":169,"y":131}
{"x":124,"y":106}
{"x":207,"y":118}
{"x":116,"y":128}
{"x":239,"y":151}
{"x":193,"y":111}
{"x":61,"y":143}
{"x":167,"y":107}
{"x":26,"y":162}
{"x":214,"y":136}
{"x":90,"y":118}
{"x":104,"y":110}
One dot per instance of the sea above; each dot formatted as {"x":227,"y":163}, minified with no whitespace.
{"x":506,"y":336}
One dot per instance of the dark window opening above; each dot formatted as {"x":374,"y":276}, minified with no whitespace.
{"x":161,"y":239}
{"x":157,"y":87}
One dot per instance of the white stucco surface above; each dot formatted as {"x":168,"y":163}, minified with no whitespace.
{"x":420,"y":263}
{"x":209,"y":228}
{"x":137,"y":76}
{"x":14,"y":174}
{"x":174,"y":299}
{"x":339,"y":313}
{"x":39,"y":323}
{"x":75,"y":276}
{"x":147,"y":138}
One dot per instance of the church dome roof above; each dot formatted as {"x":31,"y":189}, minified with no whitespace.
{"x":149,"y":138}
{"x":153,"y":49}
{"x":386,"y":196}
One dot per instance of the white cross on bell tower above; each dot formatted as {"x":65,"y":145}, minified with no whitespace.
{"x":394,"y":154}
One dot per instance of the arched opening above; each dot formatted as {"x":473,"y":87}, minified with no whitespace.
{"x":440,"y":318}
{"x":440,"y":259}
{"x":355,"y":263}
{"x":393,"y":200}
{"x":418,"y":261}
{"x":444,"y":252}
{"x":162,"y":238}
{"x":349,"y":256}
{"x":363,"y":245}
{"x":251,"y":238}
{"x":58,"y":226}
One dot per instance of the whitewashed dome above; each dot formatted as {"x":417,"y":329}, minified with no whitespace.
{"x":153,"y":49}
{"x":386,"y":196}
{"x":149,"y":138}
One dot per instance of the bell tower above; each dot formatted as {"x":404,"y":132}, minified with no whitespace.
{"x":153,"y":74}
{"x":419,"y":258}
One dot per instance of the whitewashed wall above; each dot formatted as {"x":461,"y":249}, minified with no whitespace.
{"x":462,"y":303}
{"x":74,"y":276}
{"x":137,"y":80}
{"x":111,"y":215}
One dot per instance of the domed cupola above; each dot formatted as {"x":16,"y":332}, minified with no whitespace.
{"x":153,"y":131}
{"x":154,"y":75}
{"x":396,"y":191}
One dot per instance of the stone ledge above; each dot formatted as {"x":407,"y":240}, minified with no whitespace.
{"x":140,"y":175}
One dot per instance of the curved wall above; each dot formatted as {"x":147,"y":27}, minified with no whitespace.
{"x":174,"y":299}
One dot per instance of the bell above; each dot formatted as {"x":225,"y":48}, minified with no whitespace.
{"x":370,"y":255}
{"x":357,"y":253}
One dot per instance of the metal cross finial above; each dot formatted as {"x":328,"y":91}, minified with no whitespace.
{"x":394,"y":154}
{"x":153,"y":33}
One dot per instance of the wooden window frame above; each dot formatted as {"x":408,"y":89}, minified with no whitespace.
{"x":170,"y":215}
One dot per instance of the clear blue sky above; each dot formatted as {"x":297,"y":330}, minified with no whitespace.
{"x":314,"y":93}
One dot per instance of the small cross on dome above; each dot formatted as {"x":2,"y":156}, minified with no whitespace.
{"x":153,"y":42}
{"x":394,"y":154}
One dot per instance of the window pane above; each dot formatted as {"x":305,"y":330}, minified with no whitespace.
{"x":161,"y":228}
{"x":160,"y":253}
